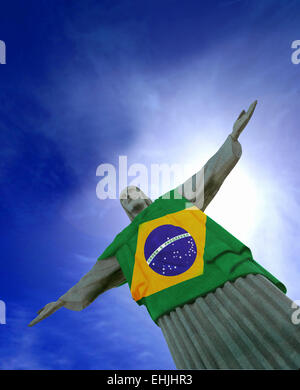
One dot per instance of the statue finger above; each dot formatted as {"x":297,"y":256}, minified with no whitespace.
{"x":46,"y":311}
{"x":35,"y":321}
{"x":50,"y":307}
{"x":39,"y":311}
{"x":44,"y":314}
{"x":251,"y":109}
{"x":241,"y":114}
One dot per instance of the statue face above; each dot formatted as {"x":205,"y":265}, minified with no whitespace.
{"x":133,"y":200}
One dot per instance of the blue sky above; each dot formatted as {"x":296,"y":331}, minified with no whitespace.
{"x":158,"y":82}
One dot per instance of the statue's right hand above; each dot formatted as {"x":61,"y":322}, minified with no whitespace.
{"x":46,"y":311}
{"x":242,"y":121}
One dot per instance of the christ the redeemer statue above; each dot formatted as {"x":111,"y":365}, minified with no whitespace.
{"x":244,"y":322}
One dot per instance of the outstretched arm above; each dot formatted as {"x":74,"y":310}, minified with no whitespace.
{"x":201,"y":188}
{"x":104,"y":275}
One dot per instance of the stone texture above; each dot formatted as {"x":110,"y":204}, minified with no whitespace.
{"x":242,"y":325}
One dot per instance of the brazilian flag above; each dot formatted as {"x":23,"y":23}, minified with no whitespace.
{"x":172,"y":253}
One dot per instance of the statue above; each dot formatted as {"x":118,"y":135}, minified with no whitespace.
{"x":243,"y":323}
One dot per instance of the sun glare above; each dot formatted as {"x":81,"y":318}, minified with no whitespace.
{"x":237,"y":205}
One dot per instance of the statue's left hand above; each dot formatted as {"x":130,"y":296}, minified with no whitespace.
{"x":242,"y":121}
{"x":47,"y":311}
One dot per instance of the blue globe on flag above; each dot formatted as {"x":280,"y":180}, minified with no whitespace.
{"x":170,"y":250}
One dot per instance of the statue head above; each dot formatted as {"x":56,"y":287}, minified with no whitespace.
{"x":133,"y":201}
